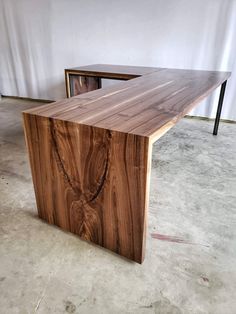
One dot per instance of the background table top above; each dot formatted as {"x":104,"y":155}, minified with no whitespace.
{"x":123,"y":72}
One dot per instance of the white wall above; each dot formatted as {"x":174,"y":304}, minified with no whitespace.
{"x":38,"y":39}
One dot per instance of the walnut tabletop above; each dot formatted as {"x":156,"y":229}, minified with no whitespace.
{"x":148,"y":105}
{"x":90,"y":155}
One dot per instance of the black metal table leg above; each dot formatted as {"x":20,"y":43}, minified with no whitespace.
{"x":219,"y":108}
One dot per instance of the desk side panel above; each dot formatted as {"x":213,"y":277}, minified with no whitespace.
{"x":92,"y":182}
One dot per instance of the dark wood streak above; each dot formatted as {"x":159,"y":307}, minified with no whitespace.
{"x":58,"y":157}
{"x":129,"y":191}
{"x":39,"y":157}
{"x":104,"y":175}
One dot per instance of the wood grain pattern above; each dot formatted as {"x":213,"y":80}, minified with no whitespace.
{"x":120,"y":72}
{"x":82,"y":84}
{"x":145,"y":106}
{"x":90,"y":155}
{"x":90,"y":181}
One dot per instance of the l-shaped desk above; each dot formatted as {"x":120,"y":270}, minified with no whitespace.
{"x":90,"y":155}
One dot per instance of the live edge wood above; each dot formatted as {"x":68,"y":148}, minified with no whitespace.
{"x":90,"y":155}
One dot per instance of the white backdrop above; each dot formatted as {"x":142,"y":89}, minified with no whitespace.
{"x":38,"y":39}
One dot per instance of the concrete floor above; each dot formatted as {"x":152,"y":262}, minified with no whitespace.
{"x":191,"y":241}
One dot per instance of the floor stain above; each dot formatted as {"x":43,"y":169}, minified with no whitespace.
{"x":205,"y":279}
{"x":70,"y":307}
{"x":174,"y":239}
{"x":186,"y":147}
{"x":156,"y":163}
{"x":10,"y":173}
{"x":163,"y":306}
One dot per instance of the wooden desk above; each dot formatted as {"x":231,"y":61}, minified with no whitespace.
{"x":90,"y":155}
